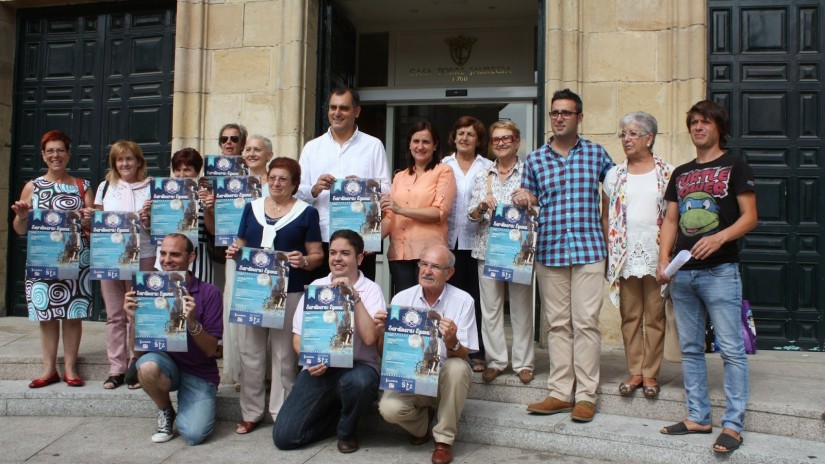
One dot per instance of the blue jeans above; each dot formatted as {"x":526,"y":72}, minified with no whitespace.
{"x":714,"y":292}
{"x":196,"y":398}
{"x":321,"y":406}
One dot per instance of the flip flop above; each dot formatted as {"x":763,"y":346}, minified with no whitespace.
{"x":680,"y":428}
{"x":730,"y":443}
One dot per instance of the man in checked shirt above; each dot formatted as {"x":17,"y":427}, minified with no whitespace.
{"x":563,"y":177}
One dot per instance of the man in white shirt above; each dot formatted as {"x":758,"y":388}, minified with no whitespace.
{"x":329,"y":400}
{"x":458,"y":332}
{"x":343,"y":151}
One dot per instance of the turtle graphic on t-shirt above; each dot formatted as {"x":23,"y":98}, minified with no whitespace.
{"x":698,"y":214}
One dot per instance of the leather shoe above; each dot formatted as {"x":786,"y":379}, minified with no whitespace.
{"x":583,"y":411}
{"x":550,"y":405}
{"x":75,"y":382}
{"x":525,"y":375}
{"x":347,"y":446}
{"x":443,"y":453}
{"x":40,"y":383}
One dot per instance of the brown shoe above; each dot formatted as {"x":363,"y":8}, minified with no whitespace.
{"x":525,"y":375}
{"x":583,"y":411}
{"x":347,"y":446}
{"x":490,"y":374}
{"x":443,"y":453}
{"x":550,"y":406}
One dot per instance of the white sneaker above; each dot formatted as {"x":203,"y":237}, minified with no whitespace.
{"x":166,"y":420}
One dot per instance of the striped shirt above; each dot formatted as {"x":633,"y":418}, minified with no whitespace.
{"x":570,"y":228}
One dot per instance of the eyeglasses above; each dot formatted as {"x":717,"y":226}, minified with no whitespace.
{"x":278,"y":180}
{"x":59,"y":151}
{"x":506,"y":139}
{"x":233,"y":138}
{"x":433,"y":266}
{"x":631,"y":135}
{"x":563,"y":113}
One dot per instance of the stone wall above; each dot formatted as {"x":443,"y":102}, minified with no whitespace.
{"x":624,"y":56}
{"x":7,"y":43}
{"x":246,"y":61}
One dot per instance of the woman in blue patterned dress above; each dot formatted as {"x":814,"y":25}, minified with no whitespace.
{"x":53,"y":301}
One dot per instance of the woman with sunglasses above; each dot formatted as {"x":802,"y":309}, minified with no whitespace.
{"x":232,"y":139}
{"x":493,"y":186}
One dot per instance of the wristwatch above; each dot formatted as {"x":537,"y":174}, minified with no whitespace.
{"x":455,"y":347}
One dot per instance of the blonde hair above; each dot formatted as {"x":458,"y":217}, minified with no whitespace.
{"x":118,"y":148}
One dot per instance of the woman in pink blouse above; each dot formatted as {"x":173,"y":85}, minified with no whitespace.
{"x":418,"y":207}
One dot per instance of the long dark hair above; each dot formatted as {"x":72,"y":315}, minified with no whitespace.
{"x":418,"y":127}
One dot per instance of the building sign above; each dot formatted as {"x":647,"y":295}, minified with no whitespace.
{"x":464,"y":57}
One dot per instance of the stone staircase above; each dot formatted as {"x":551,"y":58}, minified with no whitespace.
{"x":783,"y":421}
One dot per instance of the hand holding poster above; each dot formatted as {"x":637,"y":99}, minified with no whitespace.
{"x":511,"y":247}
{"x":175,"y":206}
{"x":327,"y":327}
{"x":231,"y":195}
{"x":53,"y":244}
{"x":159,"y":321}
{"x":412,"y":351}
{"x":259,"y":296}
{"x":115,"y":243}
{"x":355,"y":204}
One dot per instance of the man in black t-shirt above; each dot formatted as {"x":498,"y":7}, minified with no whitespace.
{"x":711,"y":203}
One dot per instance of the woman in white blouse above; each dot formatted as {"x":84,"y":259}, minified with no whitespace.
{"x":469,"y":139}
{"x":125,"y":189}
{"x":632,"y":211}
{"x":492,"y":186}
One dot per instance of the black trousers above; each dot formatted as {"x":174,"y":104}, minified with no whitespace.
{"x":466,"y":278}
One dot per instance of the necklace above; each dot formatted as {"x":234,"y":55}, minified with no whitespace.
{"x":505,"y":171}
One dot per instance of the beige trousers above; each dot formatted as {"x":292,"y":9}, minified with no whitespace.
{"x":492,"y":294}
{"x":410,"y":411}
{"x":252,"y":344}
{"x":571,"y":299}
{"x":231,"y":358}
{"x":643,"y":325}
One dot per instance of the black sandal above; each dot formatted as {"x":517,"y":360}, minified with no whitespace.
{"x":728,"y":442}
{"x":131,"y":377}
{"x":113,"y":380}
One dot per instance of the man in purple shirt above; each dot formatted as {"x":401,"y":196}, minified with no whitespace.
{"x":193,"y":374}
{"x":563,"y":177}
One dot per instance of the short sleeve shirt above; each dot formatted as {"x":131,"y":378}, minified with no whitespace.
{"x":570,"y":229}
{"x":706,"y":194}
{"x":209,"y":312}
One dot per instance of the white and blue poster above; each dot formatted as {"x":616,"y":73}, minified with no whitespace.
{"x":511,"y":248}
{"x":53,"y":244}
{"x":328,"y":327}
{"x":261,"y":282}
{"x":175,"y":206}
{"x":223,"y":165}
{"x":159,"y":321}
{"x":412,"y":351}
{"x":231,"y":195}
{"x":355,"y":204}
{"x":115,"y":243}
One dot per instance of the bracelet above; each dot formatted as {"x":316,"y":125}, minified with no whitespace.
{"x":306,"y":262}
{"x":197,"y":331}
{"x":480,"y":211}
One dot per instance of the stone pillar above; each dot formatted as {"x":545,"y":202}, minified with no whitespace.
{"x":245,"y":61}
{"x":622,"y":56}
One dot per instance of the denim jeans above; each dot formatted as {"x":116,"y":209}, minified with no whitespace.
{"x":321,"y":406}
{"x":196,"y":398}
{"x":714,"y":292}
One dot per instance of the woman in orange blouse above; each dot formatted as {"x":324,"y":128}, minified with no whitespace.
{"x":418,"y":206}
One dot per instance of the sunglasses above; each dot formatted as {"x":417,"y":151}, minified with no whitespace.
{"x":234,"y":138}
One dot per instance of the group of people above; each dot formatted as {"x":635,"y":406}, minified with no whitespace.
{"x":436,"y":213}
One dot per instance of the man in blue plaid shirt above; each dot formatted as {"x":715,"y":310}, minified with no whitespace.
{"x":563,"y":177}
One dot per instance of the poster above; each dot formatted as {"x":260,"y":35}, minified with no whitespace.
{"x":412,"y":351}
{"x":159,"y":321}
{"x":328,"y":327}
{"x":53,"y":244}
{"x":511,"y":247}
{"x":355,"y":204}
{"x":231,"y":195}
{"x":261,"y":282}
{"x":223,"y":165}
{"x":115,"y":243}
{"x":175,"y":206}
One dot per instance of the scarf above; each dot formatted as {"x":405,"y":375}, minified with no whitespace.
{"x":270,"y":231}
{"x":617,"y":221}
